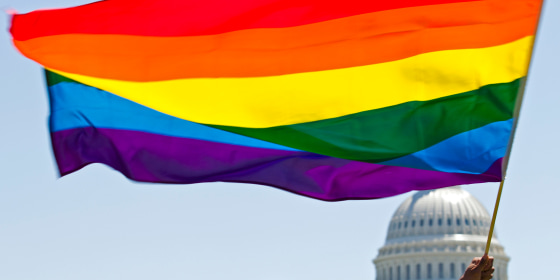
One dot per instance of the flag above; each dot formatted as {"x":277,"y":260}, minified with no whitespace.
{"x":332,"y":100}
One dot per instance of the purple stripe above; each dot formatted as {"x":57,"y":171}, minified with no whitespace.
{"x":150,"y":157}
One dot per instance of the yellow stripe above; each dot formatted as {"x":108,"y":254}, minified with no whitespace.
{"x":303,"y":97}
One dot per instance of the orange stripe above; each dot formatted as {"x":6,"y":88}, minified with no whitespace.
{"x":353,"y":41}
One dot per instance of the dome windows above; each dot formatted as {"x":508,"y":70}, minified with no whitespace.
{"x":429,"y":271}
{"x":452,"y":270}
{"x":442,"y":223}
{"x":420,"y":270}
{"x":407,"y":272}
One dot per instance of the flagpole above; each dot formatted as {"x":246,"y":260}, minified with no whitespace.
{"x":510,"y":144}
{"x":491,"y":231}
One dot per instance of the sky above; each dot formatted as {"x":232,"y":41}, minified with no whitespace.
{"x":96,"y":224}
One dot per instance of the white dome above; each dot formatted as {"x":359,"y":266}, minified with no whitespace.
{"x":434,"y":235}
{"x":447,"y":211}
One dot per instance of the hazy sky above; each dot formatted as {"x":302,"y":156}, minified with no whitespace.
{"x":95,"y":224}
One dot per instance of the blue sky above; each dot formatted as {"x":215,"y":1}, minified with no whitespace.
{"x":95,"y":224}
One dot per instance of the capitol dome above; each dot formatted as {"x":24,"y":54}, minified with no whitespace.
{"x":434,"y":235}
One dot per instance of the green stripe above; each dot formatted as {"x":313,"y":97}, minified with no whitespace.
{"x":391,"y":132}
{"x":53,"y":78}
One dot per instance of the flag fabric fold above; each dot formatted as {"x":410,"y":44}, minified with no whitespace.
{"x":334,"y":101}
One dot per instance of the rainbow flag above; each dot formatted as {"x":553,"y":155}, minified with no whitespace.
{"x":333,"y":100}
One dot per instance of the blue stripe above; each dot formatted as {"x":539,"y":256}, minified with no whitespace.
{"x":76,"y":105}
{"x":470,"y":152}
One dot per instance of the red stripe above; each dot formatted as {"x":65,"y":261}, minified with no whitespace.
{"x":188,"y":18}
{"x":259,"y":52}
